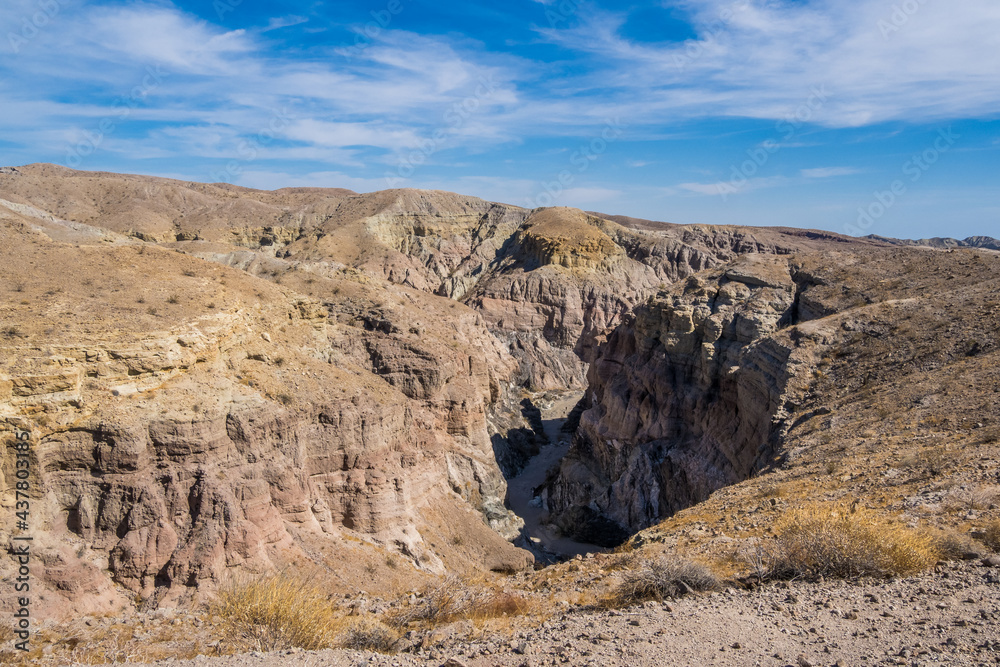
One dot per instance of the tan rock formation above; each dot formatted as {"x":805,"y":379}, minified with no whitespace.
{"x":187,"y":419}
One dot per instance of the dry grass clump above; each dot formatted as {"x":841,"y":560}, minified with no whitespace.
{"x":965,"y":499}
{"x":991,"y":535}
{"x":771,"y":490}
{"x":662,"y":579}
{"x":278,"y":611}
{"x":455,"y":599}
{"x":624,"y":560}
{"x":953,"y":545}
{"x":369,"y":634}
{"x":837,"y":541}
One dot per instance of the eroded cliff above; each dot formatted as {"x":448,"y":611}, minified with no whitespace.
{"x":741,"y":369}
{"x":187,"y":420}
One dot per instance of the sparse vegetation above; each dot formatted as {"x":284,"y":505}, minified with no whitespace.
{"x":770,"y":490}
{"x":953,"y":545}
{"x":991,"y":535}
{"x":932,"y":459}
{"x":455,"y":599}
{"x":276,"y":612}
{"x":173,"y":298}
{"x":662,"y":579}
{"x":837,"y":541}
{"x":964,"y":499}
{"x":369,"y":634}
{"x":624,"y":560}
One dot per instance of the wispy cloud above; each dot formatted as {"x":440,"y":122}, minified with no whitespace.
{"x":725,"y":189}
{"x":829,"y":172}
{"x":284,"y":22}
{"x":941,"y":62}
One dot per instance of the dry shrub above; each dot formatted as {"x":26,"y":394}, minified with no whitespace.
{"x":770,"y":490}
{"x":500,"y":603}
{"x":964,"y":499}
{"x":626,"y":560}
{"x":278,"y":611}
{"x":455,"y":599}
{"x":837,"y":541}
{"x":991,"y":535}
{"x":932,"y":459}
{"x":662,"y":579}
{"x":953,"y":545}
{"x":368,"y":634}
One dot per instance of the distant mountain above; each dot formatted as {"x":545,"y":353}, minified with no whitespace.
{"x":986,"y":242}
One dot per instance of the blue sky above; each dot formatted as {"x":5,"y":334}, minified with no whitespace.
{"x":856,"y":116}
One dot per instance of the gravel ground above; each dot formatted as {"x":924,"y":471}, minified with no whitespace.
{"x":949,"y":617}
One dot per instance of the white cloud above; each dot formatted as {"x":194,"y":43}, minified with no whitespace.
{"x":150,"y":33}
{"x":727,"y":188}
{"x":284,"y":22}
{"x":703,"y":188}
{"x":219,"y":88}
{"x":340,"y":135}
{"x":222,"y":87}
{"x":829,"y":172}
{"x":765,"y":58}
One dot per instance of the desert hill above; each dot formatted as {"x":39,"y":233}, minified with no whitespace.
{"x":217,"y":380}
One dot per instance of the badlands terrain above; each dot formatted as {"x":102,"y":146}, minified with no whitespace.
{"x":339,"y":400}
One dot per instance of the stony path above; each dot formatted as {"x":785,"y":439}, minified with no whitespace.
{"x":949,"y":618}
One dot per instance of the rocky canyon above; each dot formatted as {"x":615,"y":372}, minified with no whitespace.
{"x":217,"y":381}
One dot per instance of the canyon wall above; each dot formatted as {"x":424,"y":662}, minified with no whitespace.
{"x":686,"y":398}
{"x":188,"y":420}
